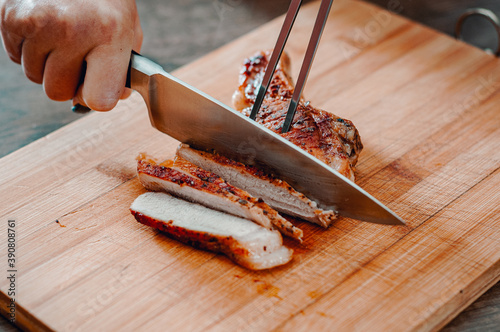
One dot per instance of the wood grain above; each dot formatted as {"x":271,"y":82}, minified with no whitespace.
{"x":427,"y":110}
{"x":483,"y":314}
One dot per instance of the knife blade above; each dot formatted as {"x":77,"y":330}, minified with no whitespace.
{"x":193,"y":117}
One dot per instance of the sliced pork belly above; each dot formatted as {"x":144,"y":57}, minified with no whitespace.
{"x":275,"y":192}
{"x":184,"y":179}
{"x":328,"y":137}
{"x":242,"y":240}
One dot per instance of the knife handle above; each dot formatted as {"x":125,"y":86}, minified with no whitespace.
{"x":127,"y":82}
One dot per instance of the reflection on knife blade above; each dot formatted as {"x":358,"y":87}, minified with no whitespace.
{"x":195,"y":118}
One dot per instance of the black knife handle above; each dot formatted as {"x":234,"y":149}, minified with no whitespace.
{"x":127,"y":82}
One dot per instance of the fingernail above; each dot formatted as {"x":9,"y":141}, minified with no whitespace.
{"x":80,"y":109}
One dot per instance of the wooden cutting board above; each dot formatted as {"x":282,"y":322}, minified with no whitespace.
{"x":427,"y":110}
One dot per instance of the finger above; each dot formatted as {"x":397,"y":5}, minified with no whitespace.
{"x":78,"y":98}
{"x":62,"y":75}
{"x":126,"y":93}
{"x":33,"y":60}
{"x":12,"y":44}
{"x":105,"y":76}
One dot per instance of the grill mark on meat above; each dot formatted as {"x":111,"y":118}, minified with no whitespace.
{"x":329,"y":138}
{"x":275,"y":192}
{"x":184,"y":179}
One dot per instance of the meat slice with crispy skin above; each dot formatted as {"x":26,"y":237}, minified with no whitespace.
{"x":329,"y":138}
{"x":242,"y":240}
{"x":275,"y":192}
{"x":181,"y":178}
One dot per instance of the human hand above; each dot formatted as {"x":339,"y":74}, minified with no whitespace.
{"x":54,"y":40}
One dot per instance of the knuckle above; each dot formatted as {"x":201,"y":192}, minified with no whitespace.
{"x":9,"y":22}
{"x":25,"y":19}
{"x":110,"y":23}
{"x":35,"y":24}
{"x":8,"y":12}
{"x":115,"y":24}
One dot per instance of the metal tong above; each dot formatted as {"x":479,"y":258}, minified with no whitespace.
{"x":292,"y":12}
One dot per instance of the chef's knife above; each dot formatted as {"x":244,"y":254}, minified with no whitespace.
{"x":193,"y":117}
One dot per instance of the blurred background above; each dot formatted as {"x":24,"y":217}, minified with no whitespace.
{"x":177,"y":32}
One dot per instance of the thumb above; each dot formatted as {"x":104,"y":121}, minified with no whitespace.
{"x":79,"y":105}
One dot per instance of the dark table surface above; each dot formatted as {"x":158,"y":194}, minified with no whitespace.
{"x":177,"y":32}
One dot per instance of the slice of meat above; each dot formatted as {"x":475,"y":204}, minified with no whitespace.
{"x":329,"y":138}
{"x":184,"y":179}
{"x":275,"y":192}
{"x":242,"y":240}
